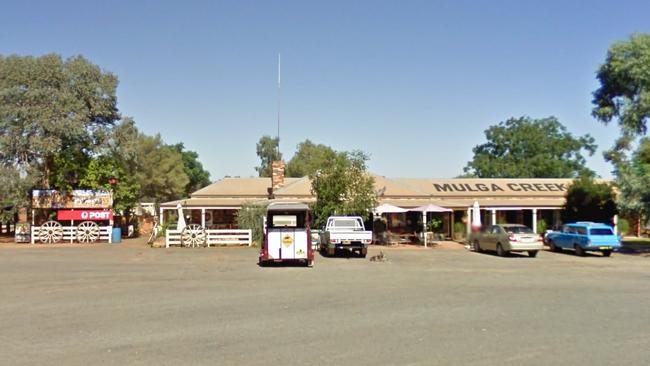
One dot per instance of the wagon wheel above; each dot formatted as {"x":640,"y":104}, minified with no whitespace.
{"x":193,"y":235}
{"x":50,"y":232}
{"x":87,"y":232}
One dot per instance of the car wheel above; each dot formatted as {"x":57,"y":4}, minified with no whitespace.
{"x":607,"y":253}
{"x":501,"y":252}
{"x":579,"y":251}
{"x":552,"y":246}
{"x":477,"y":246}
{"x":532,"y":253}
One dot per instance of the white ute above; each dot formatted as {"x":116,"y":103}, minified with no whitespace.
{"x":345,"y":232}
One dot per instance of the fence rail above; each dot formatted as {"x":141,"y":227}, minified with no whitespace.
{"x":70,"y":234}
{"x":214,"y":237}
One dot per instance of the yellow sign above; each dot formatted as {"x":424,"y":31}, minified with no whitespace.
{"x":287,"y":240}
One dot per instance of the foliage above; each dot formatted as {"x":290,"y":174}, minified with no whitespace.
{"x":624,"y":92}
{"x":13,"y":193}
{"x":588,"y":200}
{"x":460,"y":228}
{"x":50,"y":106}
{"x":159,"y":170}
{"x":434,"y":224}
{"x":633,"y":181}
{"x":267,"y":151}
{"x":541,"y":226}
{"x":198,"y":177}
{"x":530,"y":148}
{"x":623,"y":226}
{"x":250,"y":216}
{"x":308,"y":159}
{"x":343,"y":187}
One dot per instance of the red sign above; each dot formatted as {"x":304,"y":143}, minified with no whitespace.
{"x":84,"y":215}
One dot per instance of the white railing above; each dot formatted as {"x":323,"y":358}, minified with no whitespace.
{"x":214,"y":237}
{"x":70,"y":234}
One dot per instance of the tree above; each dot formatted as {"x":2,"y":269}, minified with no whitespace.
{"x":308,"y":159}
{"x":588,"y":200}
{"x":624,"y":92}
{"x":633,"y":181}
{"x":343,"y":187}
{"x":159,"y":170}
{"x":13,"y":193}
{"x":198,"y":177}
{"x":48,"y":106}
{"x":530,"y":148}
{"x":267,"y":150}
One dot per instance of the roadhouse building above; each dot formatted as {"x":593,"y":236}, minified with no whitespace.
{"x":524,"y":201}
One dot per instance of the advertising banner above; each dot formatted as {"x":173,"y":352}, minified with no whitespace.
{"x":79,"y":198}
{"x":84,"y":215}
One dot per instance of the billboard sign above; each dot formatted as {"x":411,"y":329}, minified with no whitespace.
{"x":78,"y":198}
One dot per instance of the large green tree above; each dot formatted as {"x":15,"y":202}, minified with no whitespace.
{"x":159,"y":170}
{"x":530,"y":148}
{"x":50,"y":107}
{"x":198,"y":177}
{"x":343,"y":186}
{"x":624,"y":92}
{"x":633,"y":181}
{"x":267,"y":151}
{"x":309,"y":157}
{"x":588,"y":200}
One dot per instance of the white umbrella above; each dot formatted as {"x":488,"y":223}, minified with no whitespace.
{"x":476,"y":215}
{"x":181,"y":218}
{"x":388,"y":208}
{"x":428,"y":208}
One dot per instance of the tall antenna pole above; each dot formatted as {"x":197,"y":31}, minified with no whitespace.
{"x":279,"y":96}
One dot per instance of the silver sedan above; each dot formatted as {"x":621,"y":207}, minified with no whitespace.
{"x":506,"y":238}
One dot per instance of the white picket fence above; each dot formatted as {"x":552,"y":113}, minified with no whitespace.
{"x":214,"y":237}
{"x":70,"y":234}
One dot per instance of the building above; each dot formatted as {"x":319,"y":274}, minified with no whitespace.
{"x":525,"y":201}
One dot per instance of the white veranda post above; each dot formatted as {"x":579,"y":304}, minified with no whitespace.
{"x":535,"y":220}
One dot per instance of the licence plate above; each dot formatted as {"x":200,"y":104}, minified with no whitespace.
{"x":604,"y":248}
{"x":346,"y":242}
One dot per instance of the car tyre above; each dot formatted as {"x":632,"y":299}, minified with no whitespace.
{"x":532,"y":253}
{"x":607,"y":253}
{"x":501,"y":252}
{"x":477,"y":247}
{"x":579,"y":251}
{"x":552,"y":246}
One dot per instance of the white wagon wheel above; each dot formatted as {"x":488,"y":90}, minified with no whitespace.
{"x":193,"y":235}
{"x":87,"y":232}
{"x":50,"y":232}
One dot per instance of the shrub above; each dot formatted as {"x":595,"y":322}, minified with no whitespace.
{"x":541,"y":226}
{"x":250,"y":216}
{"x":623,"y":226}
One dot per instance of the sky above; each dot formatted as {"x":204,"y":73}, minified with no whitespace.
{"x":412,"y":83}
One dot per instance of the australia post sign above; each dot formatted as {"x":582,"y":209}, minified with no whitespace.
{"x":84,"y":215}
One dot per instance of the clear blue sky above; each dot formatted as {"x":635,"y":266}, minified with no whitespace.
{"x":412,"y":83}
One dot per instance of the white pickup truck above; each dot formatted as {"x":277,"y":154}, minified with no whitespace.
{"x":345,"y":232}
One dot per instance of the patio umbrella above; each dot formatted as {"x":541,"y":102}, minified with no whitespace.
{"x":428,"y":208}
{"x":476,"y":216}
{"x":388,"y":208}
{"x":181,"y":218}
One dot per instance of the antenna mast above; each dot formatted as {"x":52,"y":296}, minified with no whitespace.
{"x":279,"y":95}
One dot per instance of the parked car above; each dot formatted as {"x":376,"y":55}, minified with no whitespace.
{"x":584,"y":237}
{"x":345,"y":232}
{"x":507,"y":238}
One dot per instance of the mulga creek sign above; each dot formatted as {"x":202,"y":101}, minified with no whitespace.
{"x":503,"y":187}
{"x":84,"y":215}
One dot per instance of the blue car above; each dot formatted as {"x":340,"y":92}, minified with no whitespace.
{"x":584,"y":237}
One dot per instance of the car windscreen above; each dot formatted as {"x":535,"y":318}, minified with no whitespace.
{"x":601,"y":231}
{"x":518,"y":230}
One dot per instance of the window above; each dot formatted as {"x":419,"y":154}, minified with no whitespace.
{"x":285,"y":221}
{"x":581,"y":230}
{"x":519,"y":230}
{"x":601,"y":231}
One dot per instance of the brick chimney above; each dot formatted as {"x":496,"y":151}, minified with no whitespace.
{"x":277,"y":174}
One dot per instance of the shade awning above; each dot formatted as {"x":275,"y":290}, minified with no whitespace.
{"x":388,"y":208}
{"x":431,"y":208}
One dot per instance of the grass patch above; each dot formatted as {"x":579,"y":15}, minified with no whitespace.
{"x":636,"y":241}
